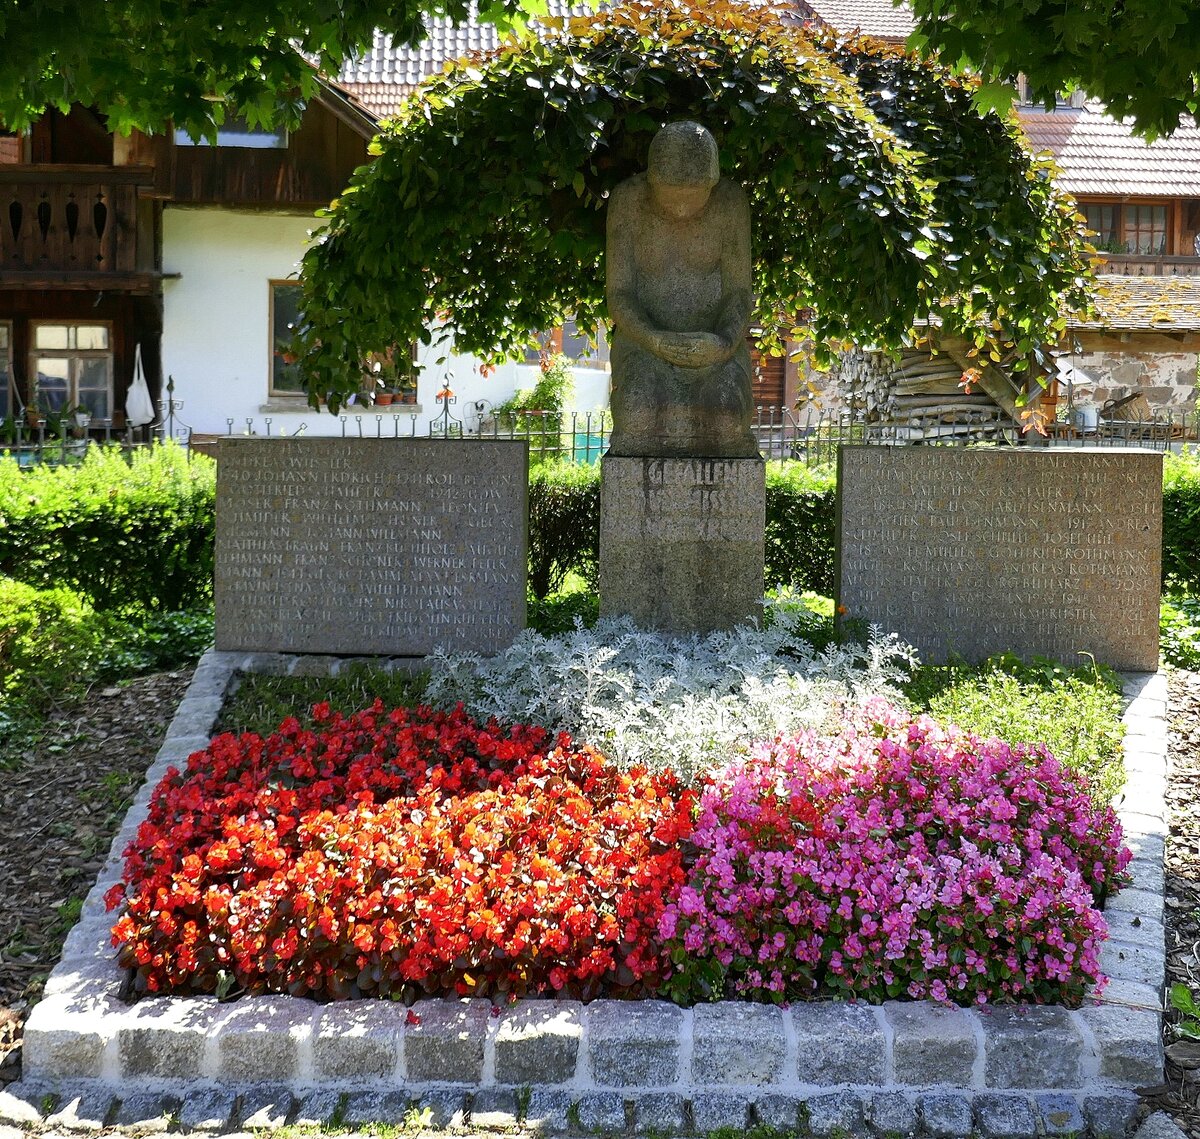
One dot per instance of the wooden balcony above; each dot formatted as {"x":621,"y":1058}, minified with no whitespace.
{"x":1144,"y":265}
{"x":73,"y":227}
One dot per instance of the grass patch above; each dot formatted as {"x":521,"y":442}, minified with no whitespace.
{"x":1075,"y":712}
{"x":261,"y":703}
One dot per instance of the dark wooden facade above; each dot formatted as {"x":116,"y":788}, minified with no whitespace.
{"x":81,"y":220}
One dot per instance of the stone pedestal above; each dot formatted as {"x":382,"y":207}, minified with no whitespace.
{"x":681,"y":541}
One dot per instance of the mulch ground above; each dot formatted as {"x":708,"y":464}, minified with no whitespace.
{"x":60,"y":804}
{"x":66,"y":797}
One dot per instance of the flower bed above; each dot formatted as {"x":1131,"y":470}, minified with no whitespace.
{"x":419,"y":852}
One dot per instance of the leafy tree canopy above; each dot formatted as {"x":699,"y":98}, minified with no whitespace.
{"x":144,"y":63}
{"x":880,"y":195}
{"x":1141,"y":57}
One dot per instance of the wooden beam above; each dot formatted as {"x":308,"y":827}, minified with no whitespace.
{"x":143,"y":284}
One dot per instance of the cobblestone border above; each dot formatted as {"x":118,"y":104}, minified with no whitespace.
{"x":611,"y":1066}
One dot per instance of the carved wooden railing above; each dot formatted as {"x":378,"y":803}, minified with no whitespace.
{"x":69,"y":220}
{"x":1145,"y":265}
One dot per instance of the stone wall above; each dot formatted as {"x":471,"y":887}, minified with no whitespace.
{"x":1160,"y":366}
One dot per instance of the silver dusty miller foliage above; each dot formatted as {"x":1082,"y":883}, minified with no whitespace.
{"x":689,"y":704}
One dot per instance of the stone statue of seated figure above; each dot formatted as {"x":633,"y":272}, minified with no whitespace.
{"x":679,"y":297}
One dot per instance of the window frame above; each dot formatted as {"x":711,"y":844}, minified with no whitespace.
{"x":273,"y":353}
{"x":1123,"y":242}
{"x":73,"y":356}
{"x":8,"y":398}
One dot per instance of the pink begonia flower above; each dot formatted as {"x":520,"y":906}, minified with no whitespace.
{"x":897,"y":857}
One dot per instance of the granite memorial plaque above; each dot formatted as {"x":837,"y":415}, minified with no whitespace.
{"x":370,"y":546}
{"x":681,"y":541}
{"x":1033,"y":551}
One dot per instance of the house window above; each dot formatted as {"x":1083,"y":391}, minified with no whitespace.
{"x":573,"y":344}
{"x":236,"y":131}
{"x":7,"y":402}
{"x":285,"y":317}
{"x":1128,"y":227}
{"x":72,"y":366}
{"x":396,"y":372}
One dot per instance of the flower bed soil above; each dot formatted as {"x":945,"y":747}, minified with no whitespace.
{"x":612,"y":1065}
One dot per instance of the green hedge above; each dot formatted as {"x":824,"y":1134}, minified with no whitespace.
{"x":131,"y":533}
{"x":1181,"y":522}
{"x":48,"y":640}
{"x":800,"y":527}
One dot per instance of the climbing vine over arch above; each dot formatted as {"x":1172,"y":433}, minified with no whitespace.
{"x":881,"y":197}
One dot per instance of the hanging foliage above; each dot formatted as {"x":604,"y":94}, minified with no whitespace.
{"x":880,"y":195}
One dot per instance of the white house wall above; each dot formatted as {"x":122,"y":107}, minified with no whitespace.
{"x":217,"y":345}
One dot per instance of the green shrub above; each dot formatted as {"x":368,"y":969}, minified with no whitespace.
{"x":130,"y":532}
{"x":800,"y":527}
{"x":1076,"y":713}
{"x":1179,"y":631}
{"x":1181,"y":521}
{"x":48,"y":645}
{"x":152,"y":643}
{"x":564,"y":525}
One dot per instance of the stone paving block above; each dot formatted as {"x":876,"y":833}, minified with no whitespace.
{"x":84,"y":1110}
{"x":1000,"y":1116}
{"x":65,"y":1036}
{"x":358,"y":1040}
{"x":495,"y":1108}
{"x":602,"y":1112}
{"x":931,"y":1044}
{"x":1144,"y":964}
{"x":893,"y":1113}
{"x":442,"y":1108}
{"x":263,"y":1040}
{"x":1131,"y":901}
{"x":737,"y":1043}
{"x":1110,"y":1116}
{"x":1160,"y":1126}
{"x":1138,"y":824}
{"x":663,"y":1113}
{"x":781,"y":1112}
{"x":837,"y":1113}
{"x":538,"y":1043}
{"x":147,"y":1111}
{"x":837,"y":1043}
{"x":1145,"y":847}
{"x":21,"y":1103}
{"x":264,"y":1107}
{"x":1129,"y":1041}
{"x":1135,"y":929}
{"x":318,"y":1108}
{"x":388,"y":1108}
{"x":634,"y":1044}
{"x":96,"y":973}
{"x":549,"y":1111}
{"x":266,"y":664}
{"x":7,"y":1132}
{"x":1059,"y":1114}
{"x":945,"y":1115}
{"x":1131,"y":994}
{"x":446,"y":1046}
{"x":712,"y":1111}
{"x":164,"y":1038}
{"x":1147,"y":873}
{"x":1151,"y":685}
{"x":1032,"y":1046}
{"x":313,"y":664}
{"x":207,"y":1109}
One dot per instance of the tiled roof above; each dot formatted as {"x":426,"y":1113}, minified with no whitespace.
{"x":382,"y":77}
{"x":1099,"y":155}
{"x":1155,"y":304}
{"x":880,"y":18}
